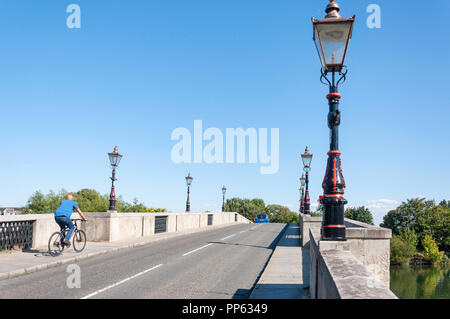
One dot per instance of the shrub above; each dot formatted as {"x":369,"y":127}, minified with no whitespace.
{"x":401,"y":251}
{"x":431,"y":250}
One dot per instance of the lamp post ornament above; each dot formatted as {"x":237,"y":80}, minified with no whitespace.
{"x":332,"y":36}
{"x":114,"y":159}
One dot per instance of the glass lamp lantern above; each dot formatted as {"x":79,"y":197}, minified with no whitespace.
{"x":303,"y":180}
{"x":307,"y":158}
{"x":224,"y":189}
{"x":189,"y":179}
{"x":332,"y":36}
{"x":115,"y":157}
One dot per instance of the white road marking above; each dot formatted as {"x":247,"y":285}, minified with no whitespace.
{"x":243,"y":231}
{"x":120,"y":282}
{"x":193,"y":251}
{"x":228,"y":237}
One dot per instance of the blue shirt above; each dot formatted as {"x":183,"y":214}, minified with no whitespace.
{"x":66,"y":208}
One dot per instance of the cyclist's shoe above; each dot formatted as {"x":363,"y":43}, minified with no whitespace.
{"x":66,"y":242}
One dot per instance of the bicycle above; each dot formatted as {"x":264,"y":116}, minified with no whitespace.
{"x":56,"y":244}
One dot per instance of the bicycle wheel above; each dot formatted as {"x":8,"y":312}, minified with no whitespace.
{"x":55,"y":246}
{"x":79,"y":240}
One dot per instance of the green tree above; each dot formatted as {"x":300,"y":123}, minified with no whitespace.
{"x":431,"y":250}
{"x":88,"y":200}
{"x":406,"y":214}
{"x":252,"y":207}
{"x":281,"y":214}
{"x":435,"y":222}
{"x":360,"y":213}
{"x":40,"y":203}
{"x":234,"y":205}
{"x":409,"y":236}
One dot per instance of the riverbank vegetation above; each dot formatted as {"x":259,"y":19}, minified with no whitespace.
{"x":421,"y":232}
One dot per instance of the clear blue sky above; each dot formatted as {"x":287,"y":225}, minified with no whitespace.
{"x":136,"y":70}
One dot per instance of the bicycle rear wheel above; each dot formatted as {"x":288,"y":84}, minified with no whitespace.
{"x":55,"y":245}
{"x":79,"y":240}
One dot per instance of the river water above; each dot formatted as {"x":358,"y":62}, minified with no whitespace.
{"x":421,"y":282}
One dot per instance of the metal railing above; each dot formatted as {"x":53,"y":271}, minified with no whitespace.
{"x":160,"y":224}
{"x":16,"y":234}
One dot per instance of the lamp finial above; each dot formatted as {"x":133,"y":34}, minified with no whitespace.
{"x":332,"y":10}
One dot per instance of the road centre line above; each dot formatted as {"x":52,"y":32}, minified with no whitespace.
{"x":193,"y":251}
{"x":120,"y":282}
{"x":228,"y":237}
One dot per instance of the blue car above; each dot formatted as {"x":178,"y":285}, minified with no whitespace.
{"x":262,"y":218}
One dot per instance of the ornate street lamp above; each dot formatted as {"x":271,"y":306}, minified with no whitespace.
{"x":332,"y":36}
{"x":302,"y":189}
{"x":189,"y":179}
{"x":114,"y":159}
{"x":243,"y":208}
{"x":224,"y":190}
{"x":307,"y":158}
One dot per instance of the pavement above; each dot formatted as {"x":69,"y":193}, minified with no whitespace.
{"x":222,"y":263}
{"x":286,"y":275}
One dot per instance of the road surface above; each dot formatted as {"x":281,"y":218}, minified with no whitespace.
{"x":223,"y":263}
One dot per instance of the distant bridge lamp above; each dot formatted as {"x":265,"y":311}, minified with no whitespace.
{"x":307,"y":158}
{"x":302,"y":192}
{"x":332,"y":37}
{"x":224,"y":190}
{"x":114,"y":160}
{"x":189,"y":179}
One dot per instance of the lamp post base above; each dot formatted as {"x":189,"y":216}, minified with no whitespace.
{"x":333,"y":227}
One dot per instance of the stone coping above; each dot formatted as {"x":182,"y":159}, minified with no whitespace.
{"x":356,"y":229}
{"x":352,"y":279}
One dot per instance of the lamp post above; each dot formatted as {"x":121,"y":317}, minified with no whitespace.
{"x":224,"y":190}
{"x":114,"y":160}
{"x":189,"y":179}
{"x":302,"y":189}
{"x":332,"y":36}
{"x":243,"y":208}
{"x":307,"y":158}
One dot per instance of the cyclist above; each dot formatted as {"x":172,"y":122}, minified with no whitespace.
{"x":62,"y":216}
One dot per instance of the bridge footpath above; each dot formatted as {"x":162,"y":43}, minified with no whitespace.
{"x":286,"y":275}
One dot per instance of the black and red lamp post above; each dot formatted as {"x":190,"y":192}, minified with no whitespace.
{"x":332,"y":36}
{"x":189,"y":179}
{"x":114,"y":159}
{"x":224,"y":190}
{"x":302,"y":192}
{"x":307,"y":158}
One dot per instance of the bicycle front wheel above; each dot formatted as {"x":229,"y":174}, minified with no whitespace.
{"x":79,"y":240}
{"x":55,"y":245}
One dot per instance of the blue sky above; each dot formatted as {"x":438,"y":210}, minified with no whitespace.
{"x":136,"y":70}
